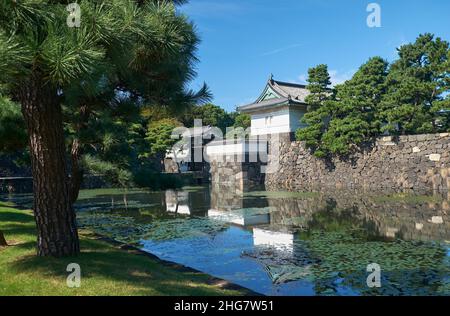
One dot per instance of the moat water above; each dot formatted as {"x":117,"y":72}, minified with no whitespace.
{"x":284,"y":243}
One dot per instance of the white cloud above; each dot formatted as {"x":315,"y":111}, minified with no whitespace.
{"x":338,"y":78}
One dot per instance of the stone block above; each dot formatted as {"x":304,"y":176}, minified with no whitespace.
{"x":435,"y":157}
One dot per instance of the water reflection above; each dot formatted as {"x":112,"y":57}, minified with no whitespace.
{"x":301,"y":243}
{"x":178,"y":202}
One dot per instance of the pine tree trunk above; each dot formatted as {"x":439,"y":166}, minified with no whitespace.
{"x":2,"y":240}
{"x":53,"y":209}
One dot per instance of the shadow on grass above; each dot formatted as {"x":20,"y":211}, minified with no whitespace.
{"x":15,"y":229}
{"x":102,"y":265}
{"x":15,"y":216}
{"x":101,"y":261}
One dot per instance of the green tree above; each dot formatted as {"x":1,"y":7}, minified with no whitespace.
{"x":339,"y":122}
{"x":13,"y":136}
{"x":159,"y":135}
{"x":111,"y":142}
{"x":318,"y":114}
{"x":144,"y":50}
{"x":416,"y":84}
{"x":210,"y":114}
{"x":242,"y":120}
{"x":353,"y":112}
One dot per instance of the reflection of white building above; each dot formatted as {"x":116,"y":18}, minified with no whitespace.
{"x":239,"y":218}
{"x":280,"y":240}
{"x":283,"y":258}
{"x":177,"y":202}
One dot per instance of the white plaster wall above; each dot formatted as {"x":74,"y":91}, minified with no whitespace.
{"x":219,"y":151}
{"x":220,"y":148}
{"x":280,"y":123}
{"x":283,"y":121}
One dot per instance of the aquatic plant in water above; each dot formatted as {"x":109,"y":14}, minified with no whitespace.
{"x":415,"y":267}
{"x":183,"y":228}
{"x":127,"y":229}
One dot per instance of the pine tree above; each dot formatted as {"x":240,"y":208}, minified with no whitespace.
{"x":416,"y":84}
{"x":143,"y":49}
{"x":353,"y":119}
{"x":339,"y":122}
{"x":317,"y":117}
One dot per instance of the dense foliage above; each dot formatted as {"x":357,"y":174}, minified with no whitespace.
{"x":105,"y":71}
{"x":13,"y":136}
{"x":210,"y":114}
{"x":242,"y":120}
{"x":317,"y":116}
{"x":410,"y":96}
{"x":88,"y":80}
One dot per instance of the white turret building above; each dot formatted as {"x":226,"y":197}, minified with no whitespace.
{"x":279,"y":108}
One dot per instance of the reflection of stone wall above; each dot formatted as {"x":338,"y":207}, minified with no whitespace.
{"x":295,"y":212}
{"x":414,"y":220}
{"x":236,"y":175}
{"x":419,"y":162}
{"x":227,"y":198}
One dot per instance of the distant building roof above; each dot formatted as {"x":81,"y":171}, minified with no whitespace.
{"x":278,"y":93}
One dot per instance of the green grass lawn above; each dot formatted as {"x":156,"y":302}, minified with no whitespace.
{"x":105,"y":268}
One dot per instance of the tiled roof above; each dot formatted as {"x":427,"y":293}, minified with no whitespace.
{"x":298,"y":92}
{"x":288,"y":94}
{"x":264,"y":104}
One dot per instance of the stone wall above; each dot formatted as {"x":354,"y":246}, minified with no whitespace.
{"x":418,"y":162}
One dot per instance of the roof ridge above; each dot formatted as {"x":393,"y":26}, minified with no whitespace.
{"x":292,"y":84}
{"x":277,"y":88}
{"x":266,"y":103}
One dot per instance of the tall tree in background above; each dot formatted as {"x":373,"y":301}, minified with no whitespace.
{"x":411,"y":96}
{"x":242,"y":120}
{"x":128,"y":45}
{"x":353,"y":112}
{"x":416,"y":84}
{"x":317,"y":117}
{"x":13,"y":135}
{"x":159,"y":136}
{"x":210,"y":114}
{"x":341,"y":121}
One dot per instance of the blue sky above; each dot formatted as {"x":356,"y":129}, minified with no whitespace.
{"x":244,"y":41}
